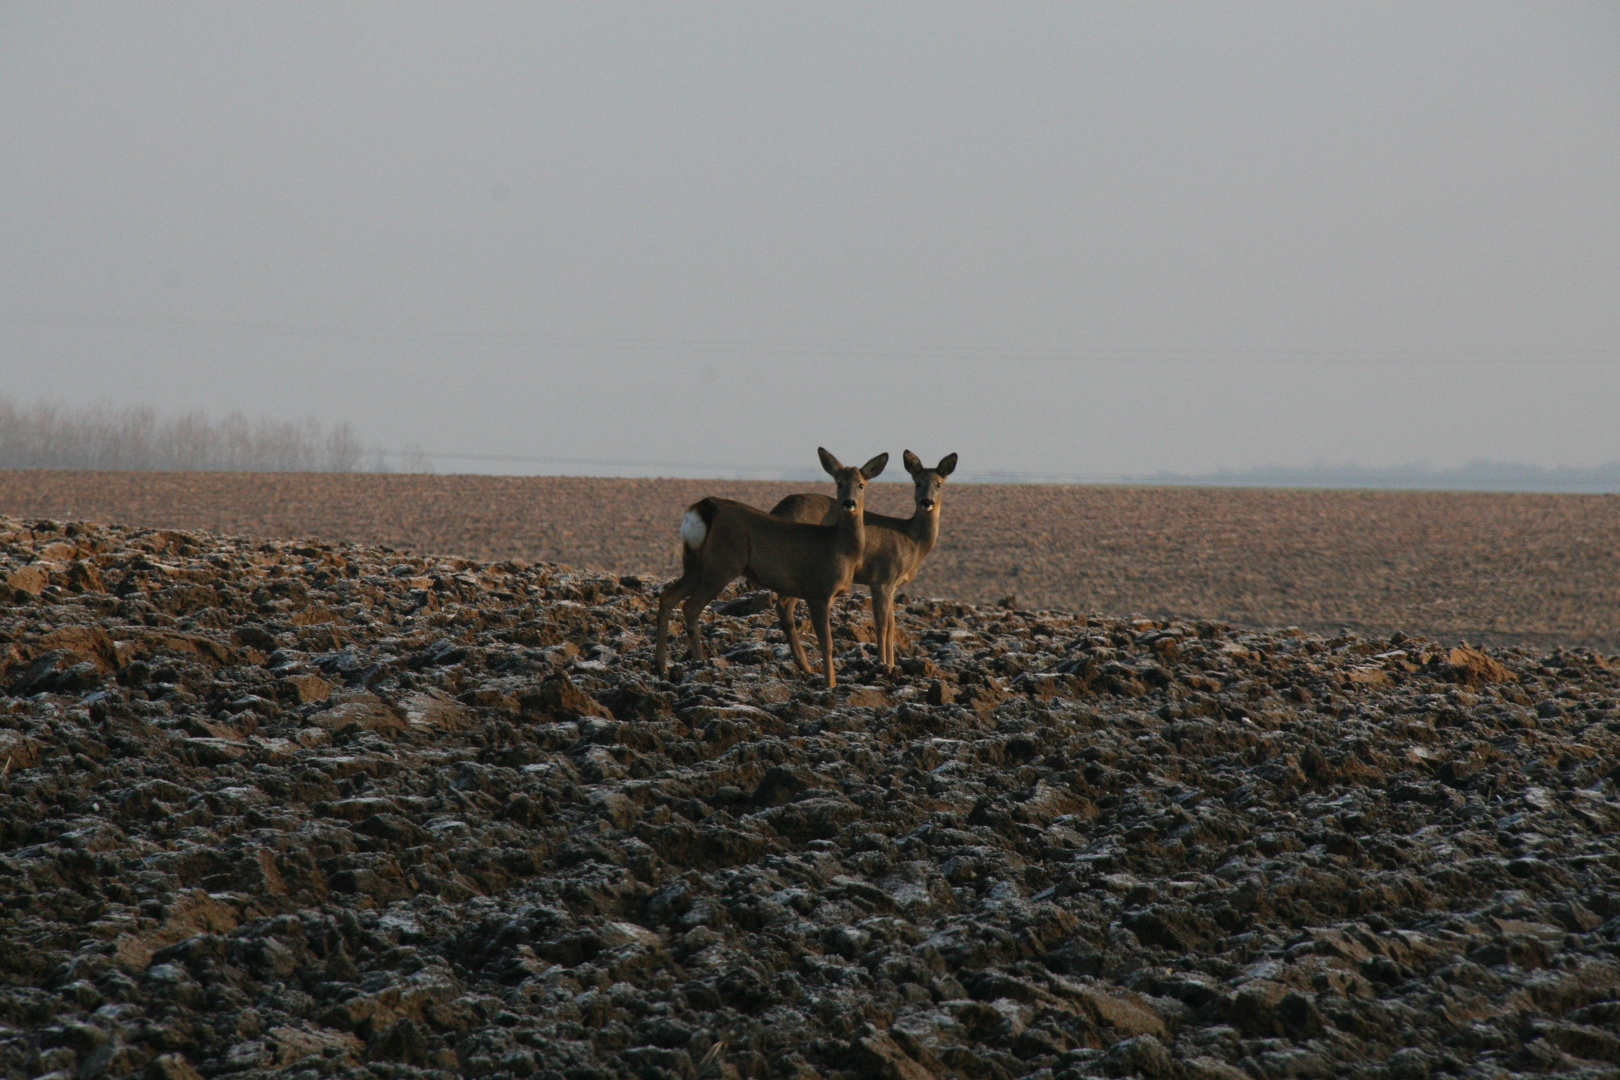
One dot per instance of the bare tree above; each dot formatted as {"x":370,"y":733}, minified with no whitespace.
{"x":47,"y":436}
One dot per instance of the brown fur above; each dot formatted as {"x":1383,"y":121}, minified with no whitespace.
{"x":815,"y":562}
{"x":894,"y":549}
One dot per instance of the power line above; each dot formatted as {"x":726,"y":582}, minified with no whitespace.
{"x":607,"y":463}
{"x":1494,"y":475}
{"x":736,"y":470}
{"x":760,"y":349}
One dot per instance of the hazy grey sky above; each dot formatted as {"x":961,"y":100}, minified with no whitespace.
{"x":1080,"y":239}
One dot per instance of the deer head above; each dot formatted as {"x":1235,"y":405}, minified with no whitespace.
{"x":851,"y":481}
{"x":928,"y":481}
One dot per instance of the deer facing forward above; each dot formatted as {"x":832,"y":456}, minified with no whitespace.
{"x":723,"y":540}
{"x":894,"y":549}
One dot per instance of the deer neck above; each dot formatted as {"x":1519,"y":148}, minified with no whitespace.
{"x":923,"y":528}
{"x":852,"y":532}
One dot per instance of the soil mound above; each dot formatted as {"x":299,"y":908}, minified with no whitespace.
{"x":298,"y":809}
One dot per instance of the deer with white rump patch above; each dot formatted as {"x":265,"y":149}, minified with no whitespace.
{"x":894,"y":549}
{"x":723,"y":540}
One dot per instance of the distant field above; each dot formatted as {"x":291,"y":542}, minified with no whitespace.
{"x":1491,"y":568}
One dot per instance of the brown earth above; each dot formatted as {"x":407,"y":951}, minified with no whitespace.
{"x":1483,"y":567}
{"x":282,"y":810}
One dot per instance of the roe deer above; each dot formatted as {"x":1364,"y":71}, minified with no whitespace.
{"x":895,"y":548}
{"x":723,"y":540}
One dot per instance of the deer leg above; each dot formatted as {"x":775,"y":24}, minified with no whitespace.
{"x":673,"y":594}
{"x":788,"y":617}
{"x":821,"y":616}
{"x":893,"y":634}
{"x":702,"y":594}
{"x":883,"y":624}
{"x":877,"y":626}
{"x":690,"y":615}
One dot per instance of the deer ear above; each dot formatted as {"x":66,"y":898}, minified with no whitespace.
{"x":947,"y":465}
{"x":875,"y":466}
{"x":828,"y":462}
{"x":912,"y":462}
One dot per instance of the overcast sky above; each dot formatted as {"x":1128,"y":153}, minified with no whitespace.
{"x":1079,"y":240}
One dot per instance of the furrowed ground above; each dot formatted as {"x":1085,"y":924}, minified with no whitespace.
{"x":296,"y":808}
{"x":1505,"y":569}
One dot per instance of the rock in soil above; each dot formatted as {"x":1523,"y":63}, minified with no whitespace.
{"x":273,"y":808}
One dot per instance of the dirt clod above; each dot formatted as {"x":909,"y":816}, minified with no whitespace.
{"x":450,"y":824}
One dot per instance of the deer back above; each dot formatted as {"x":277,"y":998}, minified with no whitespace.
{"x":789,"y":557}
{"x":808,"y":509}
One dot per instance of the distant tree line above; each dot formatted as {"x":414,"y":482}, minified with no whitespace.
{"x":45,"y":436}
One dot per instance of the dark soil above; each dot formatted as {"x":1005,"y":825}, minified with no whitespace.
{"x":276,"y":808}
{"x":1533,"y":570}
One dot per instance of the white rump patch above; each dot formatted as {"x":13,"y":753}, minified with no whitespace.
{"x":693,"y":530}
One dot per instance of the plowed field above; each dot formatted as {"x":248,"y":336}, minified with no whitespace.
{"x":1488,"y":568}
{"x":289,"y":810}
